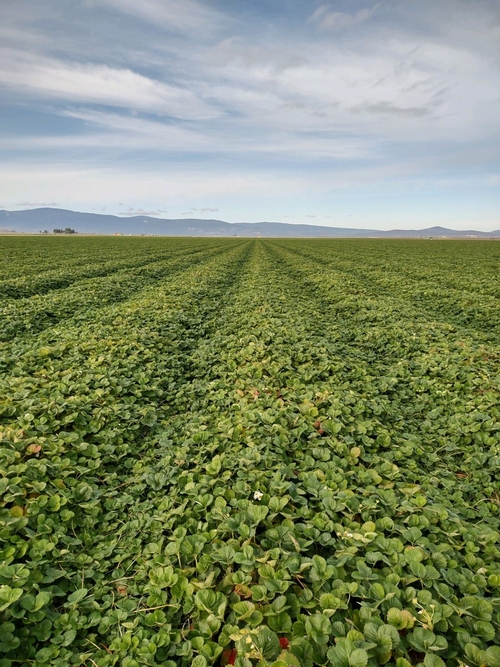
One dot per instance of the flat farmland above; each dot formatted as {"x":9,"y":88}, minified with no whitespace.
{"x":251,"y":452}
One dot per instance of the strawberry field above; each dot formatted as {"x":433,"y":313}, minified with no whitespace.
{"x":249,"y":452}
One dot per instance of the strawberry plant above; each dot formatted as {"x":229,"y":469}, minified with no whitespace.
{"x":250,"y":453}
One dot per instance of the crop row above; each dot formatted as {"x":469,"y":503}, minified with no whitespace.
{"x":82,"y":402}
{"x":461,"y":288}
{"x":86,"y":296}
{"x":72,"y":267}
{"x":467,"y":266}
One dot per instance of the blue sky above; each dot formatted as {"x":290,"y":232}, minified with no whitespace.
{"x":343,"y":113}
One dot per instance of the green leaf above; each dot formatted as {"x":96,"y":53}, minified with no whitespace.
{"x":395,"y":618}
{"x":329,"y":602}
{"x":68,"y":637}
{"x":42,"y":630}
{"x":210,"y":650}
{"x":440,"y":644}
{"x":318,"y":628}
{"x":28,"y":602}
{"x":77,"y":596}
{"x":289,"y":659}
{"x":377,"y":592}
{"x":42,"y":599}
{"x":390,"y":633}
{"x":302,"y":650}
{"x":281,"y":623}
{"x":421,"y":639}
{"x":256,"y":513}
{"x":267,"y":644}
{"x":8,"y":596}
{"x":243,"y":609}
{"x":54,"y":503}
{"x":340,"y":655}
{"x":259,"y":593}
{"x":475,"y":655}
{"x":433,"y":660}
{"x":418,"y":569}
{"x":358,"y":658}
{"x":402,"y":662}
{"x":16,"y":512}
{"x":493,"y":656}
{"x":206,"y":600}
{"x":278,"y":605}
{"x":213,"y":468}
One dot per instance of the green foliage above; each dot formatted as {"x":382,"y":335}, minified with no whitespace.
{"x":268,"y":453}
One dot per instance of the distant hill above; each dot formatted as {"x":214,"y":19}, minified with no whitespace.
{"x":37,"y":219}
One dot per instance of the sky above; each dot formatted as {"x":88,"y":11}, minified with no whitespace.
{"x":345,"y":113}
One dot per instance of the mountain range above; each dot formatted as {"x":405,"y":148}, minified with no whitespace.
{"x":40,"y":219}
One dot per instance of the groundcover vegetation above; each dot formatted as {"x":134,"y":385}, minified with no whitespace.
{"x":249,"y":452}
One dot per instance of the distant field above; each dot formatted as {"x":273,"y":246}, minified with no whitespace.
{"x":251,"y":452}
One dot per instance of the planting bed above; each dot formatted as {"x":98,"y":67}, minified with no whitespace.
{"x":250,"y":452}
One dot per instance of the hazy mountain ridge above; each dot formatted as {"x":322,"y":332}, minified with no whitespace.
{"x":39,"y":219}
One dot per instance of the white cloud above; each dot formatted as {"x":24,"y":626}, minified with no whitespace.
{"x":115,"y":131}
{"x":387,"y":85}
{"x":326,"y":19}
{"x":131,"y":212}
{"x":140,"y":133}
{"x":203,"y":210}
{"x":176,"y":184}
{"x":187,"y":16}
{"x":97,"y":83}
{"x":31,"y":204}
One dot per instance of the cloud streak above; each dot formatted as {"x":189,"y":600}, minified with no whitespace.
{"x":36,"y":204}
{"x":187,"y":16}
{"x":131,"y":212}
{"x":97,"y":84}
{"x":327,"y":19}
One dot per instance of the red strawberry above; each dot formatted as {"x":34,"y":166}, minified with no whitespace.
{"x":284,"y":643}
{"x":228,"y":657}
